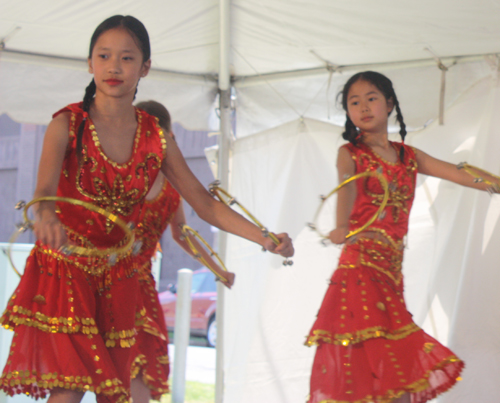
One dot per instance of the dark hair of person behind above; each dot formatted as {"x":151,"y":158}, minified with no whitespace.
{"x":384,"y":85}
{"x":158,"y":110}
{"x":140,"y":35}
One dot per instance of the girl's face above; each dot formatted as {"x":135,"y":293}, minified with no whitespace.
{"x":368,"y":108}
{"x":117,"y":64}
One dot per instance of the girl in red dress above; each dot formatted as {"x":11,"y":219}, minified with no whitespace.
{"x":162,"y":207}
{"x":76,"y":319}
{"x":369,"y":348}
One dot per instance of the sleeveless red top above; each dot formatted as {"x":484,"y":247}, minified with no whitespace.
{"x":401,"y":177}
{"x":119,"y":188}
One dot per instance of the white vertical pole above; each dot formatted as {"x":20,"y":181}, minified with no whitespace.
{"x":181,"y":333}
{"x":223,"y":176}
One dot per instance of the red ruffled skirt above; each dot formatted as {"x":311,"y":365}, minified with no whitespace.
{"x":369,"y":348}
{"x":152,"y":363}
{"x":75,"y":322}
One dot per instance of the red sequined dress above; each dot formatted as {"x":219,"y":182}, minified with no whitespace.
{"x":152,"y":362}
{"x":76,"y":319}
{"x":369,"y":348}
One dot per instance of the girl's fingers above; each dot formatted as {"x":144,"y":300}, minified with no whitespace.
{"x":60,"y":236}
{"x":229,"y":279}
{"x":285,"y":248}
{"x":51,"y":234}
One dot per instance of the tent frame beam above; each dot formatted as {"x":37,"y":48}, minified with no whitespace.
{"x":224,"y":142}
{"x":16,"y":56}
{"x":259,"y":79}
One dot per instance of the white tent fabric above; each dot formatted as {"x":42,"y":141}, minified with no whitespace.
{"x":279,"y":54}
{"x":450,"y":264}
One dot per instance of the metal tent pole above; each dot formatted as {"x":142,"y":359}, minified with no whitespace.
{"x":223,"y":174}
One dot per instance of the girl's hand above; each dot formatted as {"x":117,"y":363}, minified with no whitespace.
{"x":49,"y":230}
{"x":285,"y":248}
{"x":338,"y":235}
{"x":229,"y":278}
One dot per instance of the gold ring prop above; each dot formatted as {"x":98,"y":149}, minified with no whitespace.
{"x":186,"y":232}
{"x":111,"y":253}
{"x":226,"y":198}
{"x":383,"y":183}
{"x":473,"y":171}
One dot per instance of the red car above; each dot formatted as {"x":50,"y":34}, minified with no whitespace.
{"x":203,"y":304}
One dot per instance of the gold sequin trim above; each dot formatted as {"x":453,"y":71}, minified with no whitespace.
{"x":30,"y":381}
{"x":19,"y":315}
{"x":39,"y":299}
{"x":137,"y":139}
{"x":324,"y":336}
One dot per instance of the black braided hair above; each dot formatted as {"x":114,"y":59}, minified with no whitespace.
{"x":87,"y":101}
{"x":402,"y":130}
{"x":138,"y":31}
{"x":384,"y":85}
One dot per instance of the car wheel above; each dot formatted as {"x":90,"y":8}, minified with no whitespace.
{"x":212,"y":332}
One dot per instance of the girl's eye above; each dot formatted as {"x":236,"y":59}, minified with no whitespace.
{"x":128,"y":58}
{"x":355,"y":103}
{"x":373,"y":98}
{"x":103,"y":56}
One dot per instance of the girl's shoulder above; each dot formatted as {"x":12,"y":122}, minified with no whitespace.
{"x":68,"y":118}
{"x":75,"y":108}
{"x":151,"y":127}
{"x":353,"y":150}
{"x":409,"y":150}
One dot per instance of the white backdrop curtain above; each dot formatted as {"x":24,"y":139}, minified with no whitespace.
{"x":451,"y":263}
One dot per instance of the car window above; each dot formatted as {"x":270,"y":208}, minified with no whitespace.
{"x":197,"y":282}
{"x":209,"y":284}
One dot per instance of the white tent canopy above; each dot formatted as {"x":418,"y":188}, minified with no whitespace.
{"x":280,"y":57}
{"x":287,"y":61}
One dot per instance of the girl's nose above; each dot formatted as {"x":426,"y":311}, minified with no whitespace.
{"x":114,"y":66}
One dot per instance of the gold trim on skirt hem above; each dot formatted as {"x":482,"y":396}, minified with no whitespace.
{"x":415,"y":387}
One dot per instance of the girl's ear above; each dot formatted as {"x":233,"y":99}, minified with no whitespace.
{"x":390,"y":105}
{"x":91,"y":70}
{"x":145,"y":68}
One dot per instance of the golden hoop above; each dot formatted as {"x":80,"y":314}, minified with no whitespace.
{"x":385,"y":186}
{"x":186,"y":231}
{"x":492,"y":187}
{"x":216,"y":191}
{"x":111,"y":253}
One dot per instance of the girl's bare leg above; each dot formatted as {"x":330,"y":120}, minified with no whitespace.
{"x":59,"y":395}
{"x":140,"y":392}
{"x":406,"y":398}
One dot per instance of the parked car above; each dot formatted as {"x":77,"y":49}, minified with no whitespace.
{"x":203,"y":305}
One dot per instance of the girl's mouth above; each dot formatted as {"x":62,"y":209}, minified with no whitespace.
{"x":113,"y":81}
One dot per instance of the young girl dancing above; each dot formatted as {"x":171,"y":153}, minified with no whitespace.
{"x":163,"y":206}
{"x":76,"y":318}
{"x":369,"y":348}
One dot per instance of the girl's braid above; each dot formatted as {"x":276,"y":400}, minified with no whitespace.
{"x":87,"y":101}
{"x":350,"y":133}
{"x":402,"y":130}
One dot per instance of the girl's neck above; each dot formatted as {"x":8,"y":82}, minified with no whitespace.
{"x":380,"y":140}
{"x":112,"y":108}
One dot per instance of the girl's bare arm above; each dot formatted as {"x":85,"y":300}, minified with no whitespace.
{"x":434,"y":167}
{"x":48,"y":229}
{"x":345,"y":196}
{"x":178,"y":219}
{"x":174,"y":167}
